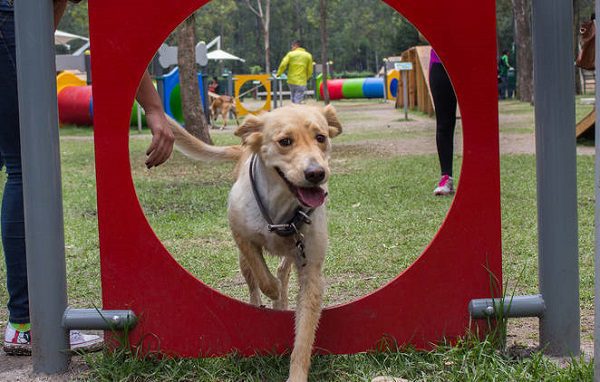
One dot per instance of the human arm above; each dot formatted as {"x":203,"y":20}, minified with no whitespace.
{"x":283,"y":66}
{"x":161,"y":147}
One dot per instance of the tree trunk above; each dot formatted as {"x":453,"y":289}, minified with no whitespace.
{"x":195,"y":120}
{"x":522,"y":13}
{"x":267,"y":50}
{"x":264,"y":16}
{"x":324,"y":53}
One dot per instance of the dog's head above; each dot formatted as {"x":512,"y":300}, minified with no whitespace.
{"x":295,"y":142}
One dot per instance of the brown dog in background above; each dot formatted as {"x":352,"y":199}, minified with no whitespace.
{"x":222,"y":105}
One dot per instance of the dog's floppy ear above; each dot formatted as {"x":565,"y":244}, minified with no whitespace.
{"x":335,"y":127}
{"x":251,"y":131}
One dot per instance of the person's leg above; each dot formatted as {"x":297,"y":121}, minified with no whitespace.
{"x":300,"y":94}
{"x":444,"y":100}
{"x":12,"y":224}
{"x":503,"y":87}
{"x":293,"y":89}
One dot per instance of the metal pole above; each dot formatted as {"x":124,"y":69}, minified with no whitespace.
{"x":597,"y":227}
{"x":96,"y":319}
{"x":44,"y":232}
{"x":385,"y":81}
{"x":281,"y":91}
{"x":274,"y":91}
{"x":554,"y":84}
{"x":405,"y":92}
{"x":138,"y":108}
{"x":230,"y":83}
{"x":511,"y":306}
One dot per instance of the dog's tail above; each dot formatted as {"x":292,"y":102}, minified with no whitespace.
{"x":194,"y":148}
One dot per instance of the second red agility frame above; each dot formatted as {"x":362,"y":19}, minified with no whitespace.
{"x":423,"y":305}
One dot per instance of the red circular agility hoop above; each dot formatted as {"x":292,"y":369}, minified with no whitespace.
{"x":423,"y":305}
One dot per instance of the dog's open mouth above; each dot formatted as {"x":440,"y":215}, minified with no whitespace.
{"x":311,"y":197}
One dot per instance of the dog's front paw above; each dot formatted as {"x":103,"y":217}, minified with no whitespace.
{"x":280,"y":304}
{"x":297,"y":378}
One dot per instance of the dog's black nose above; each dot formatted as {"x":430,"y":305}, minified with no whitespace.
{"x":314,"y":174}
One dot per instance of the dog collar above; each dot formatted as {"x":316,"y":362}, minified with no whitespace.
{"x":290,"y":228}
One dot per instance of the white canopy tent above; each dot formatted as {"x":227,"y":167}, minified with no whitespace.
{"x":219,"y":54}
{"x":63,"y":38}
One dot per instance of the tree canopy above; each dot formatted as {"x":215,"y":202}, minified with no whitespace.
{"x":361,"y":32}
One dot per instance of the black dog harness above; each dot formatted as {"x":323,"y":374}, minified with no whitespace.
{"x":292,"y":227}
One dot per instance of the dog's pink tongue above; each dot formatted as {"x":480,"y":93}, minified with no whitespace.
{"x":311,"y":197}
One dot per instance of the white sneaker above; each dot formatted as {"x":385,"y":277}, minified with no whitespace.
{"x":85,"y":343}
{"x":445,"y":186}
{"x":19,"y":343}
{"x":16,"y":342}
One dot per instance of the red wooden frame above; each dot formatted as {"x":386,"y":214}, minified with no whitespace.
{"x":424,"y":304}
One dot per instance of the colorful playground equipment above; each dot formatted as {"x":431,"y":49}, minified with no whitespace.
{"x":263,"y":80}
{"x":372,"y":87}
{"x":172,"y":94}
{"x":75,"y":103}
{"x":74,"y":100}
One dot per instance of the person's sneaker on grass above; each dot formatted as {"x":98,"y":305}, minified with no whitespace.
{"x":17,"y":340}
{"x":445,"y":186}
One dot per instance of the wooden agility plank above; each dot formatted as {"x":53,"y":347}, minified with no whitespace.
{"x":586,"y":123}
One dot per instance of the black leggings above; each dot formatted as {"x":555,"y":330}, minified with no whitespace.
{"x":444,"y":101}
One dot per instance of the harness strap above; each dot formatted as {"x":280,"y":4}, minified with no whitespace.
{"x":290,"y":228}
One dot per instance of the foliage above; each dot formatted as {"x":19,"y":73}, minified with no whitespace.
{"x":471,"y":359}
{"x":362,"y":32}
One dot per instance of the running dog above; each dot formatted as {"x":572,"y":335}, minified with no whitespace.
{"x":277,"y":204}
{"x":222,"y":105}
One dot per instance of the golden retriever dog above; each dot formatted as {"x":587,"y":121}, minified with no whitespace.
{"x":277,"y":205}
{"x":222,"y":105}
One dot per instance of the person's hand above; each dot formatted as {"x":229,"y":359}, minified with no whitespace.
{"x":162,"y":139}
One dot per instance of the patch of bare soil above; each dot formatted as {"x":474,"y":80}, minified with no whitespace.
{"x":20,"y":369}
{"x":523,"y":336}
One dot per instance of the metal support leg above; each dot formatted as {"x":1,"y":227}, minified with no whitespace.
{"x":42,"y":191}
{"x":597,"y":227}
{"x":554,"y":83}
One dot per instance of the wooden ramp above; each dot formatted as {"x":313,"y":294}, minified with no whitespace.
{"x":419,"y":96}
{"x":419,"y":91}
{"x":586,"y":123}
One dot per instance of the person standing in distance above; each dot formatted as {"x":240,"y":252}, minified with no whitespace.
{"x":299,"y":65}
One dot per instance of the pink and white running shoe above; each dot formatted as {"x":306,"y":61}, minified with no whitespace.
{"x":445,"y":186}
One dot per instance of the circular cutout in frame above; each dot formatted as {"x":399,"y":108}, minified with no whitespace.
{"x":138,"y":272}
{"x":264,"y":83}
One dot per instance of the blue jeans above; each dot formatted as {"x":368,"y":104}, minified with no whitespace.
{"x":11,"y":216}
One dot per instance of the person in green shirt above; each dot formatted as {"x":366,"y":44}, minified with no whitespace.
{"x":503,"y":68}
{"x":299,"y":65}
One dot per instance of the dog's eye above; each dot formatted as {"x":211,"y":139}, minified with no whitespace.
{"x":321,"y":138}
{"x":285,"y":142}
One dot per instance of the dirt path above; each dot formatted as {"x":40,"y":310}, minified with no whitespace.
{"x":419,"y":139}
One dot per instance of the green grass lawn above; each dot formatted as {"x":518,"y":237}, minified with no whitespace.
{"x":382,"y":215}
